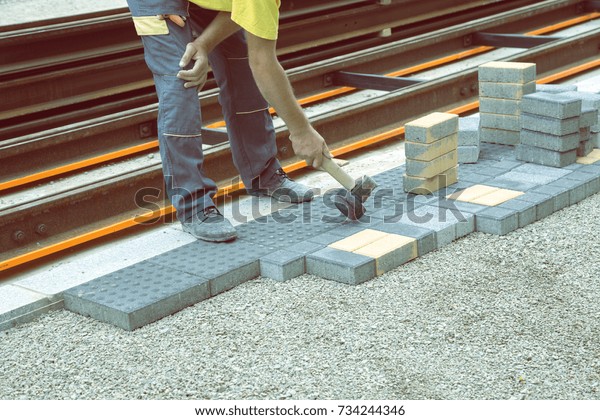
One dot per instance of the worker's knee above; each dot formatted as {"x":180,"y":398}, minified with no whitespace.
{"x":179,"y":108}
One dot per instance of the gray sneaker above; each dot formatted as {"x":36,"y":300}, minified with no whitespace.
{"x":211,"y":226}
{"x":282,"y":188}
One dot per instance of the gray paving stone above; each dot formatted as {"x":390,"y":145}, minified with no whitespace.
{"x":560,"y":199}
{"x":551,"y":105}
{"x":527,"y":211}
{"x":508,"y":164}
{"x":306,"y":247}
{"x":468,"y":131}
{"x":550,"y":88}
{"x":468,"y":154}
{"x":550,"y":142}
{"x":590,"y":181}
{"x":589,"y":99}
{"x":136,"y":296}
{"x":461,"y":206}
{"x":523,"y":177}
{"x":585,"y":133}
{"x":501,"y":121}
{"x":507,"y":72}
{"x":329,"y":237}
{"x":226,"y":265}
{"x":282,"y":265}
{"x":554,"y":126}
{"x":497,"y":221}
{"x":589,"y":117}
{"x":535,"y":169}
{"x":575,"y":186}
{"x":492,"y":171}
{"x":500,"y":106}
{"x":544,"y":202}
{"x":503,"y":137}
{"x":505,"y":90}
{"x":426,"y":238}
{"x":545,"y":157}
{"x":340,"y":266}
{"x":510,"y":184}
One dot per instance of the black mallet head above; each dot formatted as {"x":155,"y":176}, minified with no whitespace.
{"x":350,"y":203}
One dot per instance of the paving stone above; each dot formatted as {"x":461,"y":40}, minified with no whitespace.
{"x":507,"y":72}
{"x":422,"y":169}
{"x":468,"y":131}
{"x":576,"y":188}
{"x":527,"y":178}
{"x":526,"y":211}
{"x":496,"y":197}
{"x":426,"y":239}
{"x":448,"y":224}
{"x":500,"y":106}
{"x":595,"y":139}
{"x":358,"y":240}
{"x":328,"y":237}
{"x":585,"y":133}
{"x":497,"y":221}
{"x":501,"y":121}
{"x":474,"y":177}
{"x":508,"y":165}
{"x":505,"y":90}
{"x":137,"y":295}
{"x":551,"y":105}
{"x":554,"y":126}
{"x":431,"y":127}
{"x":589,"y":99}
{"x":544,"y":202}
{"x":226,"y":265}
{"x":416,"y":185}
{"x":559,"y":196}
{"x":550,"y":88}
{"x":589,"y":117}
{"x":390,"y":252}
{"x":545,"y":156}
{"x":493,"y":171}
{"x":282,"y":265}
{"x":535,"y":169}
{"x":341,"y":266}
{"x":430,"y":151}
{"x":590,"y":181}
{"x":472,"y":193}
{"x":550,"y":142}
{"x":305,"y":247}
{"x":504,"y":137}
{"x":468,"y":154}
{"x":510,"y":184}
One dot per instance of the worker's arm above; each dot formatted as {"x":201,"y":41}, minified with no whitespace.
{"x":221,"y":28}
{"x":275,"y":87}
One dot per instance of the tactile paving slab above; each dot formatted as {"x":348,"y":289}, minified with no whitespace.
{"x":137,"y":295}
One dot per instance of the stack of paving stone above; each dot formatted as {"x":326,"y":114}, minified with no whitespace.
{"x":468,"y":139}
{"x":590,"y":105}
{"x":502,"y":85}
{"x":550,"y":88}
{"x":431,"y":153}
{"x":550,"y":129}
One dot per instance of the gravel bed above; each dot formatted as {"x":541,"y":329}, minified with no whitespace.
{"x":486,"y":317}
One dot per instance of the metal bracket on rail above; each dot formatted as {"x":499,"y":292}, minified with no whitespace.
{"x":213,"y":136}
{"x":371,"y":81}
{"x":510,"y":40}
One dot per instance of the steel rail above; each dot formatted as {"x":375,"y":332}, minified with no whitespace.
{"x":381,"y":117}
{"x":68,"y":145}
{"x":106,"y":51}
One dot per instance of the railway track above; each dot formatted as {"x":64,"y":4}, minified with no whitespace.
{"x":43,"y":226}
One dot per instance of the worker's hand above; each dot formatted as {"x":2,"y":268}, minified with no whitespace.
{"x":310,"y":146}
{"x":196,"y":76}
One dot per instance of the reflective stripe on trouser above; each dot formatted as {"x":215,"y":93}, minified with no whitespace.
{"x":249,"y":125}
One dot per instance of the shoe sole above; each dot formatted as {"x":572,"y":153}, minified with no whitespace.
{"x":207,"y":239}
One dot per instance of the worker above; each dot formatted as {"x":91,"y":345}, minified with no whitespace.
{"x":237,"y":39}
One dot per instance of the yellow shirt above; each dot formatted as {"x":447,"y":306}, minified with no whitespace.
{"x":259,"y":17}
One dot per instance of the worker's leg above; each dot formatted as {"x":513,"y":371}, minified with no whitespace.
{"x":249,"y":123}
{"x":179,"y":120}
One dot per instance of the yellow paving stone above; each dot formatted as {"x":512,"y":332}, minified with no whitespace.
{"x":429,"y":151}
{"x":496,"y":197}
{"x":422,"y":169}
{"x":358,"y":240}
{"x":418,"y":185}
{"x":471,"y":193}
{"x":431,"y":127}
{"x":390,"y":252}
{"x":593,"y":157}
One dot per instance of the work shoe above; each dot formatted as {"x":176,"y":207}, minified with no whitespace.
{"x":210,"y":225}
{"x":282,"y":188}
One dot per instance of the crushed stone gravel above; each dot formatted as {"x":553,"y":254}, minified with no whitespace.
{"x":487,"y":317}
